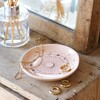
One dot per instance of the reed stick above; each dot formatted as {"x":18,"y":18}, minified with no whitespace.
{"x":60,"y":9}
{"x":12,"y":27}
{"x":13,"y":21}
{"x":16,"y":1}
{"x":11,"y":2}
{"x":17,"y":26}
{"x":6,"y":33}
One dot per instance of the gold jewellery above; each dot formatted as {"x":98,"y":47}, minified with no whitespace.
{"x":65,"y":68}
{"x":65,"y":83}
{"x":55,"y":90}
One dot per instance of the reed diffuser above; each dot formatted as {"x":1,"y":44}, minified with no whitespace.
{"x":14,"y":29}
{"x":56,"y":9}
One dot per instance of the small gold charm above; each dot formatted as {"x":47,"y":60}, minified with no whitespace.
{"x":65,"y":68}
{"x":65,"y":83}
{"x":55,"y":90}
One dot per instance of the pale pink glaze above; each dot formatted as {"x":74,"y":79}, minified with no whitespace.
{"x":54,"y":54}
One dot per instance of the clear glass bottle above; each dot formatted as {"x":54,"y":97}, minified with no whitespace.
{"x":14,"y":29}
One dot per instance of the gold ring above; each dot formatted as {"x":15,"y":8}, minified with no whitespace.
{"x":65,"y":83}
{"x":65,"y":68}
{"x":55,"y":90}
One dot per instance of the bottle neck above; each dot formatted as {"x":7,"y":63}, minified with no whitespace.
{"x":11,"y":11}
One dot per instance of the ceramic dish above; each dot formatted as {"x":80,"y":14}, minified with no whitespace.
{"x":50,"y":62}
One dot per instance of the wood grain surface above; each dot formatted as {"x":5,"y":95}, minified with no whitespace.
{"x":84,"y":79}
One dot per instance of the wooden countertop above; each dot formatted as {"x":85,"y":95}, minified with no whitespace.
{"x":85,"y":81}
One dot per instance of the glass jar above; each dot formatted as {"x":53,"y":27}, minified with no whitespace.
{"x":14,"y":29}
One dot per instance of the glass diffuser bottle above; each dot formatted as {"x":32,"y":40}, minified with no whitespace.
{"x":14,"y":29}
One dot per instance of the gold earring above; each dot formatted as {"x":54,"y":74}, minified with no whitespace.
{"x":55,"y":90}
{"x":65,"y":83}
{"x":65,"y":68}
